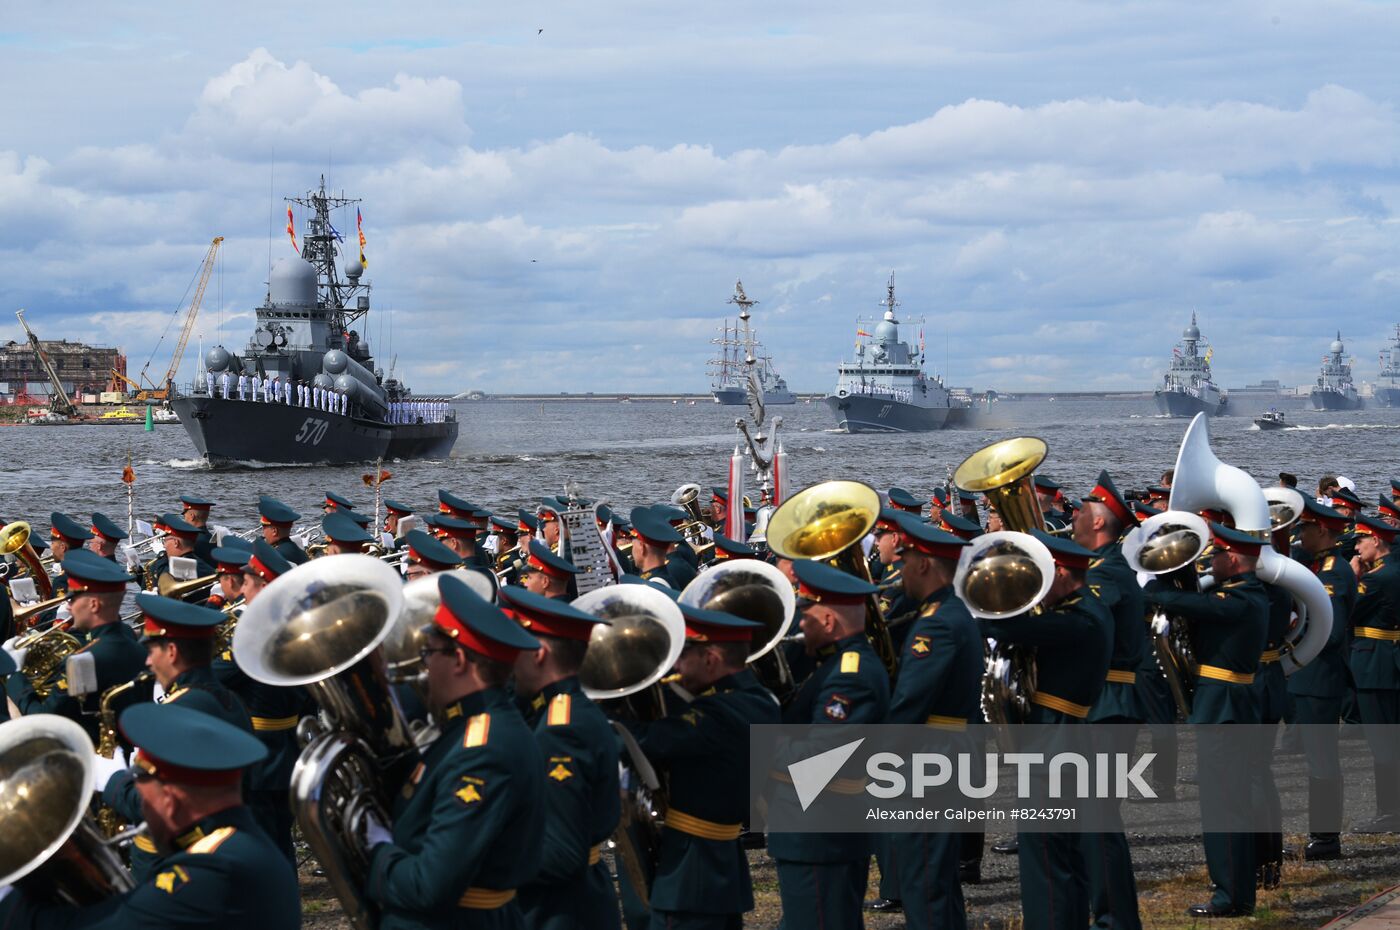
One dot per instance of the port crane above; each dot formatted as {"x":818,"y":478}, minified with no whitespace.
{"x":59,"y":401}
{"x":148,"y":391}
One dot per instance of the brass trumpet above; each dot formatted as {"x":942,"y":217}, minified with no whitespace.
{"x":25,"y":615}
{"x":186,"y":590}
{"x":826,"y":523}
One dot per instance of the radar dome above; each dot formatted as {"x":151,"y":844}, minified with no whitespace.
{"x":888,"y":329}
{"x":217,"y":359}
{"x":1191,"y":332}
{"x":353,"y":268}
{"x":1337,"y":348}
{"x":292,"y":284}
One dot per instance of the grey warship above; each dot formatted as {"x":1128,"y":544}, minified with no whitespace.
{"x":1186,"y":388}
{"x":1387,"y":391}
{"x":884,"y":388}
{"x":339,"y":408}
{"x":1334,"y":390}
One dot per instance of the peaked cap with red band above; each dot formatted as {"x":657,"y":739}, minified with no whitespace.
{"x":427,"y":550}
{"x":1233,"y":540}
{"x":716,"y":626}
{"x":1065,"y":552}
{"x":266,"y":562}
{"x":166,"y":618}
{"x":928,"y":539}
{"x":88,"y":571}
{"x":1321,"y":514}
{"x":1106,"y":493}
{"x":1370,"y":526}
{"x":819,"y":583}
{"x":471,"y":621}
{"x":547,"y":616}
{"x":180,"y":744}
{"x":543,"y":559}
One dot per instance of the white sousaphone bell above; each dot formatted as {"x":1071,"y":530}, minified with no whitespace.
{"x":1203,"y":482}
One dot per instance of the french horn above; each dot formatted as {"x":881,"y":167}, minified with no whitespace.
{"x":1006,"y":573}
{"x":1166,"y":546}
{"x":627,"y":657}
{"x":755,"y":591}
{"x":1203,"y":482}
{"x":50,"y":845}
{"x":826,"y":523}
{"x":322,"y":625}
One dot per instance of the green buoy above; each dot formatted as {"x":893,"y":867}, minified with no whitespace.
{"x":150,"y":423}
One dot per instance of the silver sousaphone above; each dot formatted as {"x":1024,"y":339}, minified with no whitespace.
{"x":627,"y":658}
{"x":755,"y":591}
{"x":322,"y":625}
{"x":1166,"y":546}
{"x":1203,"y":482}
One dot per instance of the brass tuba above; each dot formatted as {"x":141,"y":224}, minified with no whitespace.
{"x":627,"y":658}
{"x":1167,"y":545}
{"x":755,"y":591}
{"x":826,"y":523}
{"x":1006,"y":573}
{"x":687,"y":497}
{"x":49,"y":845}
{"x":321,"y":625}
{"x":1203,"y":482}
{"x":14,"y":540}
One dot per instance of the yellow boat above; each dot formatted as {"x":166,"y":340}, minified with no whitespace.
{"x":121,"y":413}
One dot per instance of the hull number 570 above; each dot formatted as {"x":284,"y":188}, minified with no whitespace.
{"x":312,"y":431}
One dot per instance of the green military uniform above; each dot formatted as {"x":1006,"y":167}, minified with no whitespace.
{"x":198,"y":689}
{"x":581,"y":809}
{"x":468,"y":823}
{"x":822,"y":876}
{"x":1317,"y":691}
{"x":702,"y":875}
{"x":939,"y":685}
{"x":222,"y":873}
{"x":275,"y":712}
{"x":1112,"y":889}
{"x":1375,"y":665}
{"x":275,"y":513}
{"x":1230,"y":626}
{"x":1073,"y":642}
{"x":118,"y":657}
{"x":1271,"y":698}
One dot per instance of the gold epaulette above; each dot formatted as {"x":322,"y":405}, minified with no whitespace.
{"x":560,"y":710}
{"x":478,"y":731}
{"x":213,"y":841}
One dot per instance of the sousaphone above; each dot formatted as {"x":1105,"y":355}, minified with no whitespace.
{"x":755,"y":591}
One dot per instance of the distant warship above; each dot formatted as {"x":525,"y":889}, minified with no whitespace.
{"x":341,"y":408}
{"x":1334,"y":390}
{"x":1387,"y":393}
{"x":1186,"y":387}
{"x":884,"y":388}
{"x":729,"y":367}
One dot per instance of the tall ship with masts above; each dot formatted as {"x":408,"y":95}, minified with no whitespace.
{"x":305,"y":388}
{"x":884,"y":388}
{"x":1387,"y":392}
{"x":1334,"y":389}
{"x":1187,"y":388}
{"x":729,"y":368}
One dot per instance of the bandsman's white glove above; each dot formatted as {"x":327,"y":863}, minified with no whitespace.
{"x":104,"y":770}
{"x":16,"y":654}
{"x":376,"y":832}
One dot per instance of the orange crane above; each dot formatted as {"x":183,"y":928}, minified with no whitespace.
{"x":161,"y":392}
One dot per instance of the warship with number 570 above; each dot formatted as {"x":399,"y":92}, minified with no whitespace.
{"x":305,"y":336}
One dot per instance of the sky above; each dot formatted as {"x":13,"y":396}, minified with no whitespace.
{"x":560,"y":197}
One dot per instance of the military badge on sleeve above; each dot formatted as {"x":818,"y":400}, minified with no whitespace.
{"x":922,"y":645}
{"x":838,"y":708}
{"x":172,"y":880}
{"x":470,"y":792}
{"x":561,"y":771}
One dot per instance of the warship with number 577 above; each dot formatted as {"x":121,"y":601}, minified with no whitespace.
{"x":305,"y":336}
{"x":884,"y":388}
{"x":1187,"y":388}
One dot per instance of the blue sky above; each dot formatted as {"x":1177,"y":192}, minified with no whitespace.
{"x":1056,"y":186}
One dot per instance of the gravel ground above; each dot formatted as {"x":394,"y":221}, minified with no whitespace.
{"x":1170,"y":872}
{"x":1171,"y":875}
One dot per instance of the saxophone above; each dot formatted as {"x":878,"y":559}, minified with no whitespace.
{"x":109,"y":820}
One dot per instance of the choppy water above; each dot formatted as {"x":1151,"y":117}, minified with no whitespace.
{"x":511,"y":453}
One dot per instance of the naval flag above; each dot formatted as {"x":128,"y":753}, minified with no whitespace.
{"x":360,"y":227}
{"x":292,"y":230}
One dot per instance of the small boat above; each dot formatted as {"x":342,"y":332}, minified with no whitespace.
{"x":1272,"y":419}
